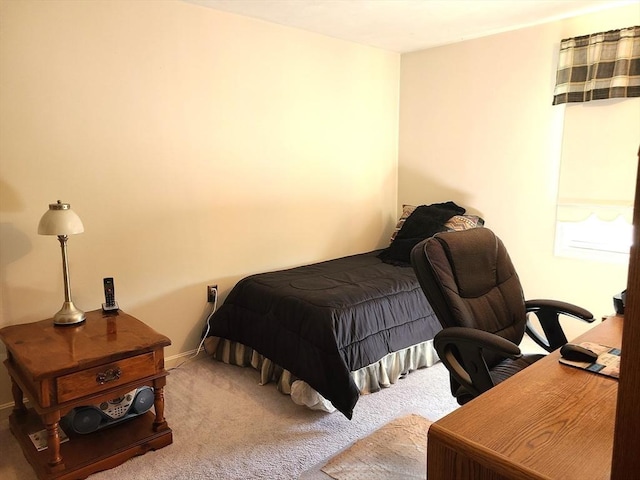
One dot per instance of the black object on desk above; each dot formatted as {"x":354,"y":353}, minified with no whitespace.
{"x":619,"y":301}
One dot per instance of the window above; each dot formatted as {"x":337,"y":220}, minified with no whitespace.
{"x":597,"y":179}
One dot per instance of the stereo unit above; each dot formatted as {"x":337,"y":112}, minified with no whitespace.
{"x":90,"y":418}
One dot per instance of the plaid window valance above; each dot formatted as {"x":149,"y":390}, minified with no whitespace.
{"x":599,"y":66}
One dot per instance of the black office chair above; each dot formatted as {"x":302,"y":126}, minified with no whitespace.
{"x":475,"y":292}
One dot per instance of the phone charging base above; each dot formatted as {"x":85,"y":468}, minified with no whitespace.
{"x":110,"y":308}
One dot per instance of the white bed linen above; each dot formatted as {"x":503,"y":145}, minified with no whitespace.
{"x":369,"y":379}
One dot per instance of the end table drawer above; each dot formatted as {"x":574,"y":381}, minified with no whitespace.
{"x":95,"y":380}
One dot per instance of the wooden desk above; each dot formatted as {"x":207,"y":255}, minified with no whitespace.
{"x":550,"y":421}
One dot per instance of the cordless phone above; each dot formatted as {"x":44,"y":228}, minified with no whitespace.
{"x":109,"y":295}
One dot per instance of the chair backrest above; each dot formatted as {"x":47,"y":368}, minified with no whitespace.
{"x":469,"y":280}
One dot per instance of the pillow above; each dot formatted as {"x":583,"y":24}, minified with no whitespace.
{"x":424,"y":221}
{"x":464,"y":222}
{"x":406,"y":211}
{"x":457,"y":222}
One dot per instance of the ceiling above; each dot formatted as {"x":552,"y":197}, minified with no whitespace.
{"x":409,"y":25}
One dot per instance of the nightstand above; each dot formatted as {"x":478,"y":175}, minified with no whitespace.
{"x":59,"y":368}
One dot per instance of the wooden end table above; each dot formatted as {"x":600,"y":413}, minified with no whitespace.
{"x":59,"y":368}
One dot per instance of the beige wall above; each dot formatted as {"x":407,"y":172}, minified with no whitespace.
{"x":477,"y":126}
{"x":196,"y":146}
{"x":199,"y":147}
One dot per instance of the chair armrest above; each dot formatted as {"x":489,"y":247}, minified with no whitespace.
{"x":560,"y":307}
{"x":460,"y":349}
{"x":548,"y":313}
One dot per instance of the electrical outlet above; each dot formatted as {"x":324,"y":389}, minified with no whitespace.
{"x":212,"y":293}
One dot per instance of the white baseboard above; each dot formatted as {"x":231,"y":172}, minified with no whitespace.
{"x":5,"y":411}
{"x":175,"y":360}
{"x":170,"y":362}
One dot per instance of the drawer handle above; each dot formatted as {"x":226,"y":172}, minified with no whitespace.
{"x":108,"y":376}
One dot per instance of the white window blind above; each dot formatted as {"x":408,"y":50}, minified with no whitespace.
{"x":597,"y":179}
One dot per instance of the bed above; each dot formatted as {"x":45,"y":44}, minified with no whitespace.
{"x":330,"y":331}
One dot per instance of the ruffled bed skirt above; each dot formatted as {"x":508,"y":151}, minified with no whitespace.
{"x":369,"y":379}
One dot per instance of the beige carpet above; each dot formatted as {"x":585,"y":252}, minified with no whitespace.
{"x":227,"y":427}
{"x":398,"y":450}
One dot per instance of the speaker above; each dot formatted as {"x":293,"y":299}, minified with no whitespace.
{"x":90,"y":418}
{"x":142,"y":401}
{"x":84,"y":419}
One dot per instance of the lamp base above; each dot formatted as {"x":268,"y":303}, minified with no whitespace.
{"x":68,"y":315}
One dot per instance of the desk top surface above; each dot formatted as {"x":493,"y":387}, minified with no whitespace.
{"x":549,"y":421}
{"x":44,"y":349}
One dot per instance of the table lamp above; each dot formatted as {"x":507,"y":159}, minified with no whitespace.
{"x":60,"y":220}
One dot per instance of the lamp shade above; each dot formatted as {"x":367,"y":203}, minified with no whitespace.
{"x":60,"y":220}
